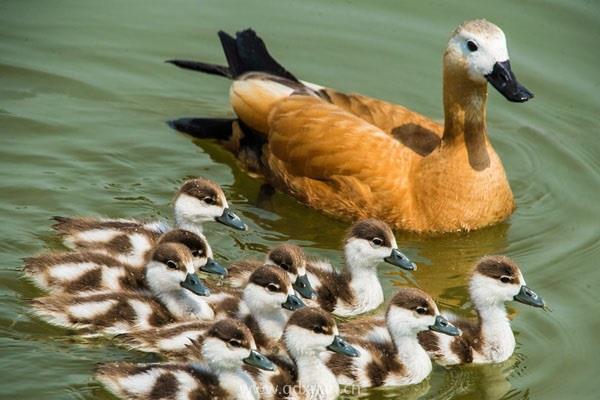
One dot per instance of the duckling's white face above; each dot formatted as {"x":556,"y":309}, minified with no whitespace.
{"x":197,"y":243}
{"x":227,"y":344}
{"x":170,"y":265}
{"x":310,"y":331}
{"x":477,"y":46}
{"x":365,"y":252}
{"x":410,"y":312}
{"x":290,"y":258}
{"x":268,"y":298}
{"x":198,"y":209}
{"x":495,"y":281}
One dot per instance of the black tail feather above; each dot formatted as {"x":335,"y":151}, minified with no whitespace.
{"x":204,"y":128}
{"x":212,"y":69}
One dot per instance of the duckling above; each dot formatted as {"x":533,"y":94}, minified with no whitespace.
{"x":174,"y":293}
{"x":489,"y":338}
{"x":309,"y":332}
{"x":197,"y":201}
{"x":264,"y":306}
{"x":393,"y":357}
{"x":226,"y":349}
{"x":352,"y":156}
{"x":357,"y":289}
{"x":289,"y":257}
{"x":88,"y":271}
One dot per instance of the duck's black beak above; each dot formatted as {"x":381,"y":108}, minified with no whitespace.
{"x":400,"y":260}
{"x":442,"y":325}
{"x":231,"y":219}
{"x":529,"y":297}
{"x":213,"y":267}
{"x":505,"y":81}
{"x":302,"y":285}
{"x":340,"y":346}
{"x":195,"y":285}
{"x":292,"y":303}
{"x":257,"y":360}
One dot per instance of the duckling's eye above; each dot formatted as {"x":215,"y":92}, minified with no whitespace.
{"x":209,"y":200}
{"x":377,"y":241}
{"x":285,"y":266}
{"x":421,"y":310}
{"x":235,"y":343}
{"x":505,"y":279}
{"x":271,"y":287}
{"x":196,"y":253}
{"x":171,"y":264}
{"x":472,"y":45}
{"x":318,"y":329}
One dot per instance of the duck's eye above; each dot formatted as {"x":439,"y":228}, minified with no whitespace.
{"x":209,"y":200}
{"x":171,"y":264}
{"x":421,"y":310}
{"x":235,"y":343}
{"x":196,"y":253}
{"x":377,"y":241}
{"x":318,"y":329}
{"x":285,"y":266}
{"x":271,"y":287}
{"x":505,"y":279}
{"x":471,"y":45}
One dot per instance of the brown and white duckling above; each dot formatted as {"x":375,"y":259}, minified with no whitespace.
{"x":287,"y":256}
{"x":174,"y":293}
{"x":197,"y":201}
{"x":392,"y":357}
{"x":227,"y":347}
{"x":88,"y":271}
{"x":489,"y":339}
{"x":309,"y":332}
{"x":357,"y":289}
{"x":264,"y":306}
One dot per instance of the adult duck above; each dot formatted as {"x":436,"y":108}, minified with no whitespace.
{"x":352,"y":156}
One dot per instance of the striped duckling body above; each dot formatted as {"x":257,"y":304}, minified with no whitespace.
{"x":174,"y":293}
{"x":88,"y":271}
{"x":357,"y":289}
{"x":390,"y":353}
{"x":130,"y":241}
{"x":227,"y":348}
{"x":489,"y":338}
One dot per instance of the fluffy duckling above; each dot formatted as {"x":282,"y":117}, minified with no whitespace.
{"x":309,"y":332}
{"x":357,"y":289}
{"x":85,"y":272}
{"x":264,"y":306}
{"x":390,"y":353}
{"x":174,"y":293}
{"x":289,"y":257}
{"x":227,"y":347}
{"x":488,"y":339}
{"x":197,"y":201}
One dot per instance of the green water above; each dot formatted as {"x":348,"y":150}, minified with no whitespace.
{"x":84,"y":96}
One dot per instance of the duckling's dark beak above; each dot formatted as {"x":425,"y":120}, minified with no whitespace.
{"x":292,"y":303}
{"x":213,"y":267}
{"x":442,"y":325}
{"x":400,"y":260}
{"x":505,"y":81}
{"x":257,"y":360}
{"x":195,"y":285}
{"x":302,"y":285}
{"x":340,"y":346}
{"x":529,"y":297}
{"x":231,"y":219}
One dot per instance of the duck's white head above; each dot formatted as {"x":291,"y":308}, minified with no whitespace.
{"x":228,"y":345}
{"x":370,"y":242}
{"x":497,"y":279}
{"x":291,"y":259}
{"x":478,"y":48}
{"x":269,"y":290}
{"x":171,"y":268}
{"x":200,"y":200}
{"x":201,"y":251}
{"x":411,"y":311}
{"x":310,"y":331}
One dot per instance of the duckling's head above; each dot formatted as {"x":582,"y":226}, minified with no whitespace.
{"x":478,"y":48}
{"x":200,"y":200}
{"x":268,"y":290}
{"x":411,"y":311}
{"x":370,"y":242}
{"x":310,"y":331}
{"x":497,"y":279}
{"x":199,"y":248}
{"x":228,"y":345}
{"x":291,"y":259}
{"x":171,"y":268}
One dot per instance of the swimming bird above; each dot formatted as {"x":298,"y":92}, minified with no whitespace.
{"x":489,"y":338}
{"x":390,"y":353}
{"x":197,"y":201}
{"x":353,"y":156}
{"x":86,"y":271}
{"x":226,"y":349}
{"x":174,"y":293}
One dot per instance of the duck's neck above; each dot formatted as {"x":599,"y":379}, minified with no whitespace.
{"x":185,"y":305}
{"x":364,"y":286}
{"x":496,"y":333}
{"x":465,"y":116}
{"x":239,"y":384}
{"x":271,"y":322}
{"x":315,"y":380}
{"x":412,"y":355}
